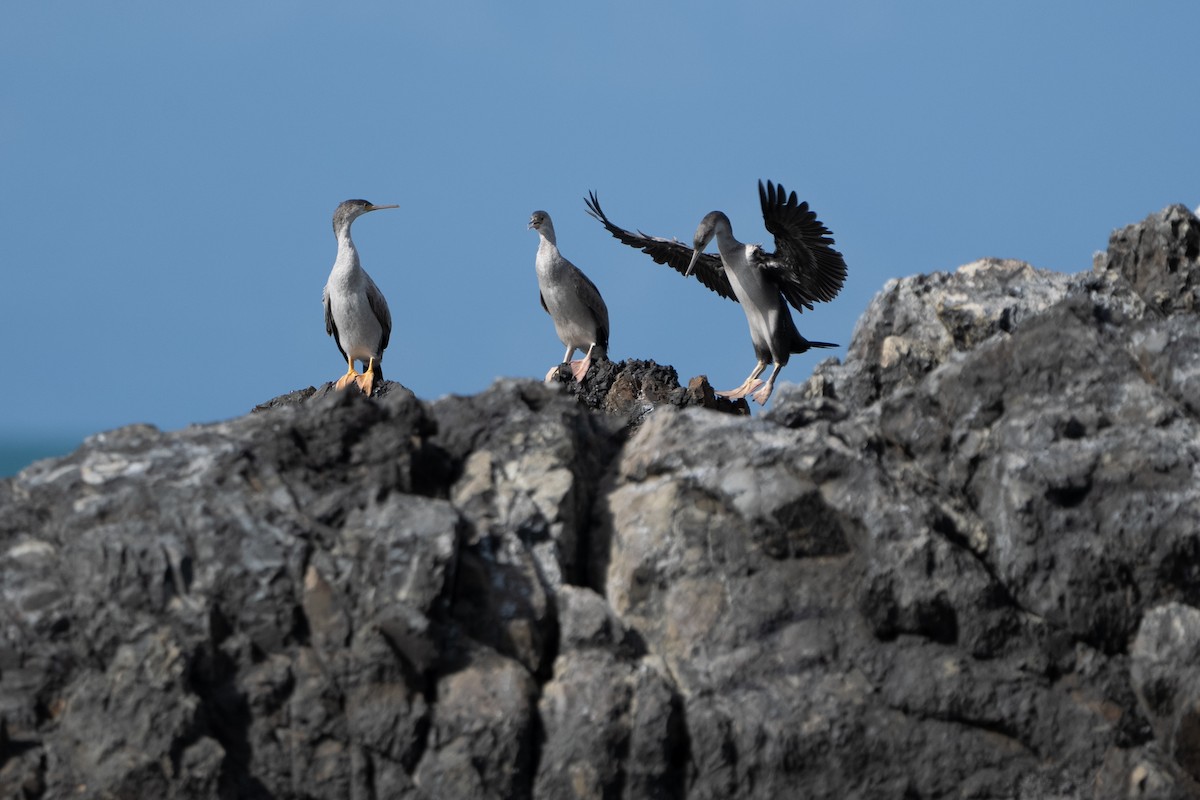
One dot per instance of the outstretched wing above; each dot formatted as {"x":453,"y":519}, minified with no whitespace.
{"x":671,"y":252}
{"x":804,"y":265}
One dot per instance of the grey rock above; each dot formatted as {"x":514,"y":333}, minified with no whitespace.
{"x":528,"y":460}
{"x":631,"y":390}
{"x":611,"y":718}
{"x":962,"y":563}
{"x":208,"y":609}
{"x":612,"y":728}
{"x":916,"y":324}
{"x":1156,"y":257}
{"x":1166,"y":677}
{"x":481,"y":743}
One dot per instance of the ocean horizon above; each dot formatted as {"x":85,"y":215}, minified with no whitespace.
{"x":19,"y":451}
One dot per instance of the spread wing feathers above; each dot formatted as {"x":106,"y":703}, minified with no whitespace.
{"x":379,"y":308}
{"x":804,"y":265}
{"x":330,"y":327}
{"x":672,"y":252}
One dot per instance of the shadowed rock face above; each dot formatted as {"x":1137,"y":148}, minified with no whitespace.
{"x":966,"y":562}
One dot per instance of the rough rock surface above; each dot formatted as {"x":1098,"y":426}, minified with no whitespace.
{"x":964,"y":563}
{"x":631,"y":389}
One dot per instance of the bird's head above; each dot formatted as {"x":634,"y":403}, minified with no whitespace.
{"x":704,"y":234}
{"x":540,"y":222}
{"x":351,"y":210}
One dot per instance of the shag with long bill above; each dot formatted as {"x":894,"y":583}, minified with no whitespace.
{"x":571,"y":299}
{"x":804,"y":269}
{"x":356,"y":315}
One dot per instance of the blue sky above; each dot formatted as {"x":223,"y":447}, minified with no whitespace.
{"x":169,"y":172}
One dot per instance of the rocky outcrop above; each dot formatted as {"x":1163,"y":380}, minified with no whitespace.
{"x":964,"y":563}
{"x":629,"y":390}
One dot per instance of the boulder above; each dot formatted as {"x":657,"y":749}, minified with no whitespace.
{"x":963,"y":563}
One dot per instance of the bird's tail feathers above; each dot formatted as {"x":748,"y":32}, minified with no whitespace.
{"x":809,"y":345}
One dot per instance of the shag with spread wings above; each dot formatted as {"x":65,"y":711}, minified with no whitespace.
{"x":805,"y":267}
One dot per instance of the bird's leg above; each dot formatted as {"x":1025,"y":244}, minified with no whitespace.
{"x":749,"y":385}
{"x":350,"y":377}
{"x":762,"y":394}
{"x":554,"y":370}
{"x":579,"y":368}
{"x":366,"y":381}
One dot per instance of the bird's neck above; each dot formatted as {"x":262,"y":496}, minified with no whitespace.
{"x":724,"y":236}
{"x":347,"y":253}
{"x":547,"y":251}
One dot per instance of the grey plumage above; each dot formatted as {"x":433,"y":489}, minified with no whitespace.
{"x":356,"y":313}
{"x":570,"y":298}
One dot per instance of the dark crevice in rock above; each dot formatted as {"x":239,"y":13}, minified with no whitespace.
{"x":681,"y":757}
{"x":999,"y":594}
{"x":806,"y":527}
{"x":937,"y":620}
{"x":550,"y":632}
{"x":225,"y":714}
{"x":992,"y":726}
{"x":537,"y":741}
{"x":493,"y":604}
{"x":1069,"y":495}
{"x":11,"y":748}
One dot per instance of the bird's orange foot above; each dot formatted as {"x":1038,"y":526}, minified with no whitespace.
{"x":762,"y":394}
{"x":366,"y":382}
{"x":369,"y":379}
{"x":552,"y":374}
{"x":346,"y":380}
{"x":743,"y":390}
{"x":580,"y":367}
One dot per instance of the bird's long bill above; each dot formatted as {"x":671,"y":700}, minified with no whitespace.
{"x":692,"y":264}
{"x":376,"y":208}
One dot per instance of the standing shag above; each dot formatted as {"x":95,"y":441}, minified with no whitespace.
{"x":572,"y":301}
{"x":804,"y":269}
{"x":356,"y":314}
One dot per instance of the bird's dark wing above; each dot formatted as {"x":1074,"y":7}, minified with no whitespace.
{"x":542,"y":297}
{"x":330,"y":327}
{"x":671,"y":252}
{"x":591,"y":298}
{"x":379,"y":307}
{"x":804,"y":265}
